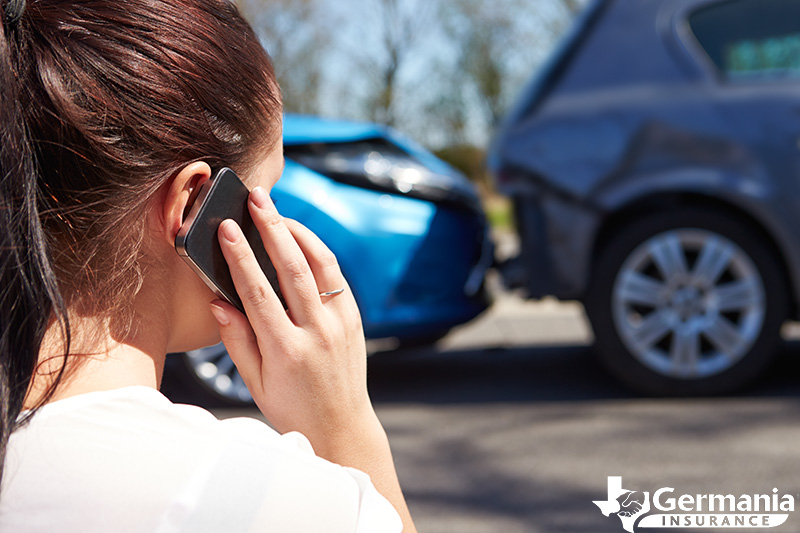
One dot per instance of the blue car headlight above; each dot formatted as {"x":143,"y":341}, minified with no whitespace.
{"x":379,"y":165}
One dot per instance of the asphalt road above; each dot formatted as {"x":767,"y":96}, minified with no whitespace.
{"x":510,"y":425}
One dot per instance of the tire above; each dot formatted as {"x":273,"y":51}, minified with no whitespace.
{"x":687,"y":302}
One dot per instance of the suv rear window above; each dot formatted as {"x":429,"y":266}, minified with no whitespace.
{"x":751,"y":38}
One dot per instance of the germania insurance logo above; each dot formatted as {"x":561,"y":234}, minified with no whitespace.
{"x":634,"y":508}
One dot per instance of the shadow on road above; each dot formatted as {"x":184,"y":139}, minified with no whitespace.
{"x":526,"y":374}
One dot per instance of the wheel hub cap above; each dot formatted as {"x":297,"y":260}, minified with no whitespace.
{"x":688,"y":303}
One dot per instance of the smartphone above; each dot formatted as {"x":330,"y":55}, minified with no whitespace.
{"x":222,"y":197}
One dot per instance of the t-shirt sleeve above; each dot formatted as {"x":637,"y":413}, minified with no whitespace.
{"x":375,"y":513}
{"x":262,"y":481}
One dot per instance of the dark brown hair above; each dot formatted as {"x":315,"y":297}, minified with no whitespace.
{"x":103,"y":101}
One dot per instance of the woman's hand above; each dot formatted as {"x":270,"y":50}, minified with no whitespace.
{"x":305,"y":366}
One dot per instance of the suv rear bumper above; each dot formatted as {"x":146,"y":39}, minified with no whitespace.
{"x":556,"y":243}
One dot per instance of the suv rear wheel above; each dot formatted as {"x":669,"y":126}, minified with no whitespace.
{"x":685,"y":302}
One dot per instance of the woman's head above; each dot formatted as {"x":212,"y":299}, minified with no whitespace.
{"x":104,"y":103}
{"x":119,"y":96}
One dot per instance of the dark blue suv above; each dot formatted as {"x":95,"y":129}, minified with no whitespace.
{"x":654,"y":165}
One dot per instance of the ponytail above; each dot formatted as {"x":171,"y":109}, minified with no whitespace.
{"x":29,"y":294}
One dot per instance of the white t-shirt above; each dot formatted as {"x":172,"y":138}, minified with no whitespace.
{"x":129,"y":460}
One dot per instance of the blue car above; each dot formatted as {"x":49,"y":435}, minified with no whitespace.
{"x":408,"y":230}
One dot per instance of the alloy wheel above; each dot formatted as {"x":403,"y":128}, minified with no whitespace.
{"x":215,"y":370}
{"x":688,"y":303}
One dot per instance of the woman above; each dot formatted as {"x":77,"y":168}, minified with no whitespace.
{"x":113,"y":115}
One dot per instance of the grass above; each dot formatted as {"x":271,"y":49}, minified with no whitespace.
{"x":499,"y":212}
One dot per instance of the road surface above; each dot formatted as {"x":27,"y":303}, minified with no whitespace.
{"x":510,"y":425}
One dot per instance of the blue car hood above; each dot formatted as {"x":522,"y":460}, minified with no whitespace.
{"x":305,"y":129}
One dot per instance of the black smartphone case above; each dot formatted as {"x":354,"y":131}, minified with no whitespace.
{"x":223,"y":196}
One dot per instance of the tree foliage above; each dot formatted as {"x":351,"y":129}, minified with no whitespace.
{"x":398,"y":25}
{"x":296,"y":34}
{"x":443,"y":71}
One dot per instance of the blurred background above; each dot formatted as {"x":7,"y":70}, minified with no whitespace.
{"x":442,"y":72}
{"x":573,"y":230}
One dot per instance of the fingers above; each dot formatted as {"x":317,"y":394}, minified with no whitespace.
{"x":294,"y":273}
{"x":327,"y":273}
{"x":257,"y":295}
{"x":304,"y":265}
{"x":240,"y":341}
{"x":321,"y":260}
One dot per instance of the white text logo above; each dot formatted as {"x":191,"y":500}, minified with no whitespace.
{"x":694,"y":510}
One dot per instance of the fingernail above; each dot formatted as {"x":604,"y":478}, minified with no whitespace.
{"x":259,"y":197}
{"x":230,"y":231}
{"x":220,"y":314}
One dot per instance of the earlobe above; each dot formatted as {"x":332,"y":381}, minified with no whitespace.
{"x":181,"y":192}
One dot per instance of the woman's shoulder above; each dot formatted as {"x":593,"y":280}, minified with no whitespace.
{"x":142,"y":418}
{"x":177,"y":463}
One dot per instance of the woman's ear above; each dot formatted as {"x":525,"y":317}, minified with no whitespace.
{"x":181,"y":192}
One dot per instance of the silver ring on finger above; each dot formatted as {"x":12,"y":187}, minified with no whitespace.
{"x":332,"y":293}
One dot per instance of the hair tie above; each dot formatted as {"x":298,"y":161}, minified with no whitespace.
{"x":13,"y":11}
